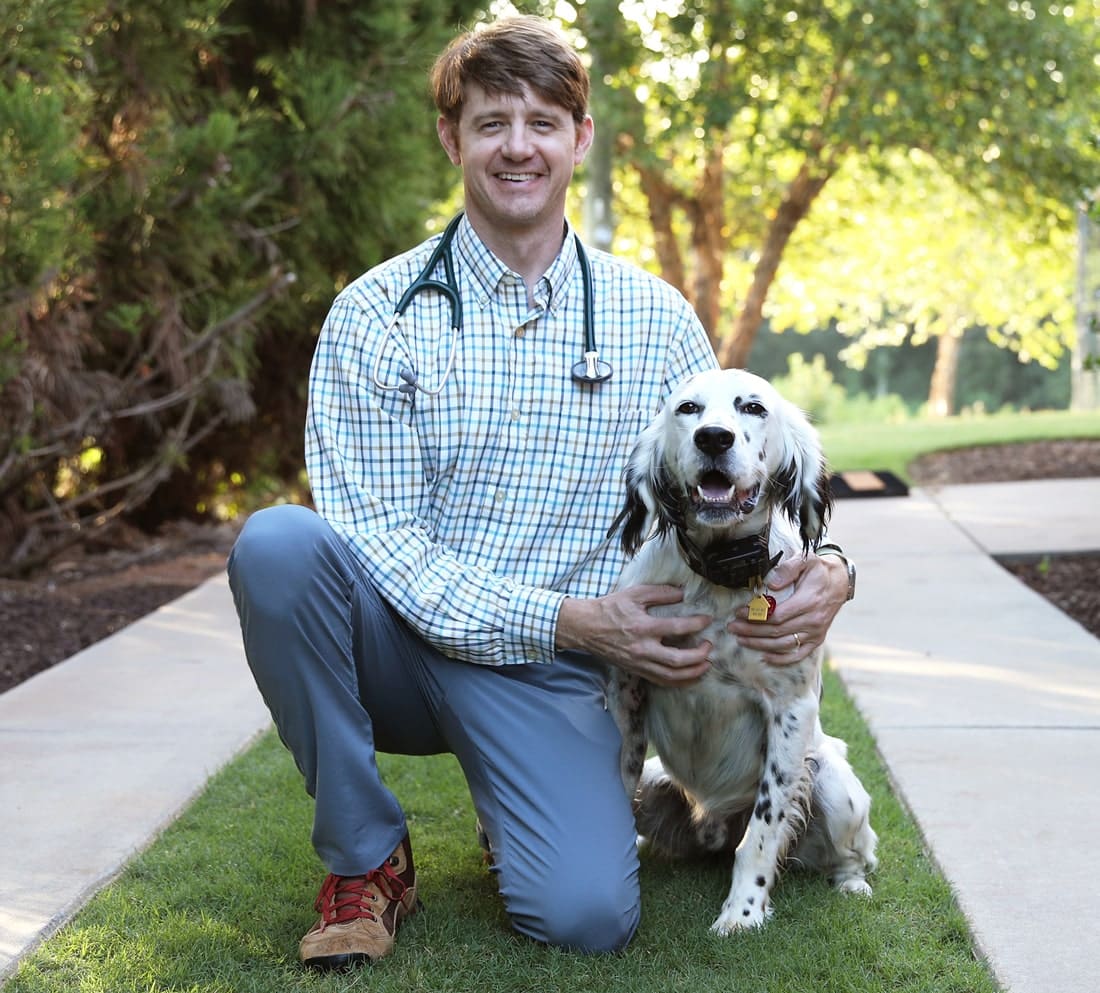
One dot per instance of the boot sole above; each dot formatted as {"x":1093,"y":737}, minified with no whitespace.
{"x":351,"y":960}
{"x":337,"y":963}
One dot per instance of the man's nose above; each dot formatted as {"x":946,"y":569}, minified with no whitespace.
{"x":518,"y":144}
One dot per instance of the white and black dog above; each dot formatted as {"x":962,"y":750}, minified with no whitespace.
{"x":728,"y":478}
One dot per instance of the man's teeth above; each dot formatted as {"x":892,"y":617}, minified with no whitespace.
{"x":517,"y":177}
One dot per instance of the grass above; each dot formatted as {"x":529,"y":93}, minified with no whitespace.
{"x":217,"y":904}
{"x":893,"y":446}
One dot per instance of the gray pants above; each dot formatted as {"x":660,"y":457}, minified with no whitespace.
{"x":344,"y":677}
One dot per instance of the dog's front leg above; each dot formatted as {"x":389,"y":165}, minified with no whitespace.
{"x":626,"y":699}
{"x":779,"y":814}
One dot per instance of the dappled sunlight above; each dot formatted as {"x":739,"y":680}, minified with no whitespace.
{"x":945,"y":674}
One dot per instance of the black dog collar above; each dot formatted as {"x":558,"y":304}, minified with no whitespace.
{"x":737,"y":565}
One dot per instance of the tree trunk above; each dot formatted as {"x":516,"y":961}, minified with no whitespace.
{"x":662,"y":198}
{"x":945,"y":373}
{"x":708,"y":241}
{"x":735,"y":347}
{"x":1085,"y":364}
{"x":599,"y":221}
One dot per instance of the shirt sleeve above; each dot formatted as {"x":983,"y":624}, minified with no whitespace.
{"x":368,"y":478}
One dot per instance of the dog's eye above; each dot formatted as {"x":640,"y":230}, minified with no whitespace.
{"x":688,"y":407}
{"x":754,"y":409}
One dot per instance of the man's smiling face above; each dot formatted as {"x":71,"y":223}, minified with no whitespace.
{"x":517,"y":155}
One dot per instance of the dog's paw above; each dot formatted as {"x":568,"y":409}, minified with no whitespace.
{"x":854,"y":884}
{"x":742,"y":915}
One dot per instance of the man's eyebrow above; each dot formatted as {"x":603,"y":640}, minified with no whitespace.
{"x":532,"y":111}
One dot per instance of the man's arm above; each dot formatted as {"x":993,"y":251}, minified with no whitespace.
{"x":368,"y":474}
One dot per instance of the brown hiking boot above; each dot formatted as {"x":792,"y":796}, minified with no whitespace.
{"x":360,"y":915}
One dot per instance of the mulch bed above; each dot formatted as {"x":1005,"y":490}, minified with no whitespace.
{"x":1069,"y":459}
{"x":83,"y":598}
{"x":87,"y":597}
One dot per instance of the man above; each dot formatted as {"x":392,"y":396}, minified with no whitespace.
{"x":451,"y":592}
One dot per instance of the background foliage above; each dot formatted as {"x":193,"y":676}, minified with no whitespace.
{"x":185,"y":185}
{"x":904,"y":169}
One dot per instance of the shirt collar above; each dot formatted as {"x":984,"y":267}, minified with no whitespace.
{"x":486,"y":270}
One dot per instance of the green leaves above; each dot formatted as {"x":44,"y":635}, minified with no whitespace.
{"x":183,"y":187}
{"x":741,"y":100}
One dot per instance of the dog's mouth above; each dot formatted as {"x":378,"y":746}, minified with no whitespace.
{"x":716,"y":491}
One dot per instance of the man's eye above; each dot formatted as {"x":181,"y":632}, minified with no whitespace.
{"x":688,"y":407}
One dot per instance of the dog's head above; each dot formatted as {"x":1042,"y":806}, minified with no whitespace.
{"x":725,"y":452}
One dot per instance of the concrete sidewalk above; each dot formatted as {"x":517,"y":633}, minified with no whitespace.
{"x":984,"y":700}
{"x":100,"y":753}
{"x":985,"y":704}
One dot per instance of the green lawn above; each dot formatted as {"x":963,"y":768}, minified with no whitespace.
{"x":894,"y":446}
{"x":219,"y":902}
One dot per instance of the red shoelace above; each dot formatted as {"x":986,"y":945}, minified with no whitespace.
{"x":347,"y":898}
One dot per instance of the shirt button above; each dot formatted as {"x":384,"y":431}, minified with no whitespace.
{"x":521,"y":331}
{"x":516,"y":415}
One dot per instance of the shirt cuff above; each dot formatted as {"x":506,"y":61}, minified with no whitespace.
{"x":533,"y":616}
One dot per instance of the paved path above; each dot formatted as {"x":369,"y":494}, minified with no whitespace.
{"x":984,"y":700}
{"x":100,"y":753}
{"x":985,"y":703}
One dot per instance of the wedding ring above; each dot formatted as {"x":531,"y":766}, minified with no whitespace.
{"x":797,"y":642}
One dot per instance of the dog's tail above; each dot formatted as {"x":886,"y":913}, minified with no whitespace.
{"x":667,"y":821}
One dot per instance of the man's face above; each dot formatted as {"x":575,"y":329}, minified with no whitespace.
{"x":517,"y":156}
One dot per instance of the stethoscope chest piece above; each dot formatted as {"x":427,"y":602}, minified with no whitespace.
{"x":592,"y":369}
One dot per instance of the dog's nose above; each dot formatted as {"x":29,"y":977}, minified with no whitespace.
{"x":713,"y":441}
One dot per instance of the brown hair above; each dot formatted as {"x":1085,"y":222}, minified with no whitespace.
{"x":506,"y":57}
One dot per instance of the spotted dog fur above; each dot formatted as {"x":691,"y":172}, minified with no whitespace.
{"x":741,"y":759}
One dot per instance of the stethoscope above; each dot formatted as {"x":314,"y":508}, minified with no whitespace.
{"x":591,"y":369}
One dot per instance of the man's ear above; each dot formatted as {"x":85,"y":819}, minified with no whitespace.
{"x":586,"y":131}
{"x":448,"y":138}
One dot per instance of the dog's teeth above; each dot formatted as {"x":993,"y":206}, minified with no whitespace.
{"x":714,"y":495}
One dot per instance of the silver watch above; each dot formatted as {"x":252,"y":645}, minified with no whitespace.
{"x":832,"y":549}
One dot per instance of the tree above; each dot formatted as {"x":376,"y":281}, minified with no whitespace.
{"x":912,"y":257}
{"x":1086,"y":350}
{"x":742,"y":111}
{"x":184,"y":184}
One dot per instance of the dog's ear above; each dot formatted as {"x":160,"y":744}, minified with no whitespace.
{"x":635,"y":515}
{"x":803,"y":477}
{"x":648,"y":496}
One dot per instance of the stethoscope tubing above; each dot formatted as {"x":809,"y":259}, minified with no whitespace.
{"x":591,"y":369}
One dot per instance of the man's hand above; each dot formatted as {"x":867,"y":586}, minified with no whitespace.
{"x":800,"y":623}
{"x":619,"y":629}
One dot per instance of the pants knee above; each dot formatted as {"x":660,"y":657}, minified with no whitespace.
{"x":276,"y":547}
{"x":594,"y":929}
{"x":588,"y":915}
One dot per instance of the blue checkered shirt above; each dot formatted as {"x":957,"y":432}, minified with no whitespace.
{"x":477,"y":511}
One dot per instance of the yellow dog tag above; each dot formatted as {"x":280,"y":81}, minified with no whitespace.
{"x":761,"y":607}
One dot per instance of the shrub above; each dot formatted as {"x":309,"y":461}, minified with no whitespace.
{"x":186,"y":183}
